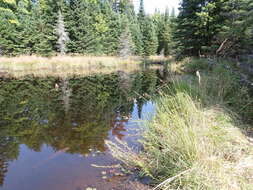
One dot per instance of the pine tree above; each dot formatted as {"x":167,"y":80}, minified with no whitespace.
{"x":37,"y":33}
{"x":141,"y":14}
{"x":134,"y":27}
{"x":8,"y":26}
{"x":150,"y":41}
{"x":43,"y":21}
{"x":173,"y":12}
{"x":187,"y":42}
{"x":197,"y":25}
{"x":148,"y":32}
{"x":111,"y":39}
{"x":86,"y":26}
{"x":235,"y":37}
{"x":137,"y":36}
{"x":164,"y":33}
{"x":23,"y":36}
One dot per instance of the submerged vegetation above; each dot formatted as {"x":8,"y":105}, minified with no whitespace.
{"x":197,"y":139}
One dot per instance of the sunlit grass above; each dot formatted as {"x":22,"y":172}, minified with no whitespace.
{"x":63,"y":66}
{"x":197,"y":141}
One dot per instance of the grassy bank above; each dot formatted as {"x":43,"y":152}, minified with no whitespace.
{"x":198,"y":138}
{"x":62,"y":66}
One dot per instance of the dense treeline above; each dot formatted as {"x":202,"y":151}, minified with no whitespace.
{"x":98,"y":27}
{"x":214,"y":27}
{"x":112,"y":27}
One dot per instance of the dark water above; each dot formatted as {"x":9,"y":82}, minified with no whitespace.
{"x":53,"y":131}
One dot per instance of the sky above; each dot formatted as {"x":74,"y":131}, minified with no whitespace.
{"x":152,"y":5}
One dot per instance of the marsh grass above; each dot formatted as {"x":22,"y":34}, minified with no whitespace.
{"x":62,"y":66}
{"x":197,"y":141}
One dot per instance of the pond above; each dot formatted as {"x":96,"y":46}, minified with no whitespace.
{"x":53,"y":130}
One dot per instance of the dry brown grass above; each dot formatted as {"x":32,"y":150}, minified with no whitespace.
{"x":62,"y":66}
{"x":66,"y":60}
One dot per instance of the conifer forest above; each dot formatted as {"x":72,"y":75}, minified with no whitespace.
{"x":113,"y":27}
{"x":126,"y":95}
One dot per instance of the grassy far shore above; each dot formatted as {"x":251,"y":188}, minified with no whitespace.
{"x":61,"y":66}
{"x":199,"y":138}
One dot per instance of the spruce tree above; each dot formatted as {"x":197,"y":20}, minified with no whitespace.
{"x":150,"y":41}
{"x":127,"y":9}
{"x":197,"y":25}
{"x":23,"y":37}
{"x":86,"y":26}
{"x":188,"y":43}
{"x":8,"y":27}
{"x":111,"y":39}
{"x":164,"y":33}
{"x":235,"y":37}
{"x":42,"y":32}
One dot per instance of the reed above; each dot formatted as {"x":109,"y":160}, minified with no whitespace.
{"x":195,"y":141}
{"x":62,"y":66}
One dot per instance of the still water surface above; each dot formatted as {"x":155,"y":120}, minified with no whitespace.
{"x":53,"y":130}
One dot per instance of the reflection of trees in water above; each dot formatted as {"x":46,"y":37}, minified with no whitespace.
{"x":78,"y":114}
{"x":144,"y":85}
{"x":3,"y":170}
{"x":66,"y":93}
{"x":8,"y":152}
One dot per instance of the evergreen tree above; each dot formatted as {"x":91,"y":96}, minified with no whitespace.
{"x":173,"y":13}
{"x":136,"y":36}
{"x":8,"y":27}
{"x":141,"y":14}
{"x":44,"y":18}
{"x":164,"y":34}
{"x":148,"y":32}
{"x":111,"y":40}
{"x":134,"y":27}
{"x":110,"y":27}
{"x":150,"y":41}
{"x":197,"y":25}
{"x":86,"y":26}
{"x":235,"y":36}
{"x":23,"y":36}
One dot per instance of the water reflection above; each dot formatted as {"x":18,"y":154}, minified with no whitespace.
{"x":68,"y":115}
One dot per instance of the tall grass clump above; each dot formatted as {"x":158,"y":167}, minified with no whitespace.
{"x":202,"y":147}
{"x":219,"y":84}
{"x":196,"y":140}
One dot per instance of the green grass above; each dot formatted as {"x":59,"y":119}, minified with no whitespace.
{"x":197,"y":141}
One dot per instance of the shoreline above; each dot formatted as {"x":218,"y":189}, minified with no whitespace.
{"x":202,"y":123}
{"x":64,"y":66}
